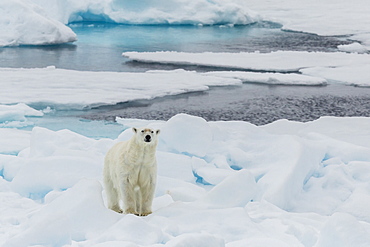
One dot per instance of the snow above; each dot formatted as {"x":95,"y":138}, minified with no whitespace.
{"x":327,"y":18}
{"x":272,"y":78}
{"x":346,"y":68}
{"x":196,"y":240}
{"x":24,"y":23}
{"x":285,"y":183}
{"x":343,"y":230}
{"x":201,"y":136}
{"x":237,"y":189}
{"x":21,"y":140}
{"x":79,"y":89}
{"x":195,"y":12}
{"x":9,"y":114}
{"x":356,"y":74}
{"x":354,"y":47}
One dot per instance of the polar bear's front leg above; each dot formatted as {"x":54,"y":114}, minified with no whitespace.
{"x":147,"y":199}
{"x":129,"y":200}
{"x":113,"y":202}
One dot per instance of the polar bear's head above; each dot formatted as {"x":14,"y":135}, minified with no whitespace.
{"x":146,"y":135}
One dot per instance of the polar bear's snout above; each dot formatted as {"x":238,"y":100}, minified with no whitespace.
{"x":147,"y":135}
{"x":148,"y":138}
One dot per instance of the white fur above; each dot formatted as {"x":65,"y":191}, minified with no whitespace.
{"x":130,"y":173}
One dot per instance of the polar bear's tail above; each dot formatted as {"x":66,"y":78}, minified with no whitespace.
{"x":139,"y":207}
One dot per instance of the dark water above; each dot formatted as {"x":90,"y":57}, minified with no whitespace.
{"x":257,"y":104}
{"x":100,"y":46}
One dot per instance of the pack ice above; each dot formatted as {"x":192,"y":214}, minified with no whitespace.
{"x":219,"y":184}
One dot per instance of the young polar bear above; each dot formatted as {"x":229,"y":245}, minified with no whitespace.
{"x":130,"y":173}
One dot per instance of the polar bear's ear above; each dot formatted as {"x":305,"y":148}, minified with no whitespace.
{"x":134,"y":130}
{"x":157,"y":132}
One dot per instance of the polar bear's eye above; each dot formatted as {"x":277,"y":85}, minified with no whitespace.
{"x":142,"y":131}
{"x":152,"y":131}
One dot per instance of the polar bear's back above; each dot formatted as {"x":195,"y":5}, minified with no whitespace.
{"x":117,"y":149}
{"x":114,"y":159}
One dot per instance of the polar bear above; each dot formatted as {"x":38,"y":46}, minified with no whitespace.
{"x":130,"y":173}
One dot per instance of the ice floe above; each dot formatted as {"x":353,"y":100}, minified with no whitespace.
{"x":69,"y":89}
{"x":346,"y":68}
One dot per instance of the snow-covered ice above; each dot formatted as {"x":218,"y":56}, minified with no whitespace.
{"x":18,"y":113}
{"x":25,"y":23}
{"x":346,"y":68}
{"x":70,"y":89}
{"x":272,"y":78}
{"x":354,"y":47}
{"x":328,"y":17}
{"x":195,"y":12}
{"x":221,"y":183}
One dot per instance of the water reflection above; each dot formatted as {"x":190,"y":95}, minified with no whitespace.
{"x":36,"y":56}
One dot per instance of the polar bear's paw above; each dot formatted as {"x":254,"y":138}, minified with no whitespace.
{"x":144,"y":214}
{"x":117,"y":209}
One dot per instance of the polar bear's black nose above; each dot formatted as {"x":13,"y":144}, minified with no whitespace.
{"x":147,"y":138}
